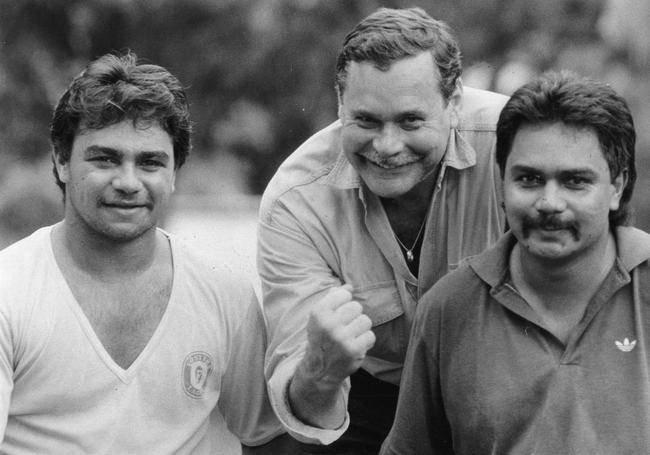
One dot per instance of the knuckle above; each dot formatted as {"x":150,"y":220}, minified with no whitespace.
{"x":365,"y":321}
{"x":337,"y":336}
{"x":350,"y":351}
{"x":356,"y":307}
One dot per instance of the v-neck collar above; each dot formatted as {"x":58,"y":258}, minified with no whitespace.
{"x":128,"y":374}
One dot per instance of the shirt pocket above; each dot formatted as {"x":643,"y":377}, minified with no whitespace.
{"x":382,"y":304}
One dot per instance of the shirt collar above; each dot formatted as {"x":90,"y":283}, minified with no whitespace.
{"x":632,"y":247}
{"x":459,"y":155}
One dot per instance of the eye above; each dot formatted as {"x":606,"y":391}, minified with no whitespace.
{"x":366,"y":122}
{"x":529,"y":180}
{"x":104,"y":160}
{"x":411,"y":122}
{"x":152,"y":164}
{"x":576,"y":181}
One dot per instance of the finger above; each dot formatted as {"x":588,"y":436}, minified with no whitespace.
{"x":347,"y":287}
{"x":366,"y":340}
{"x":335,"y":298}
{"x":357,"y":326}
{"x":348,"y":311}
{"x":358,"y":347}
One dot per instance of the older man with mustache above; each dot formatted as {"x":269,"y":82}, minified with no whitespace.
{"x":364,"y":218}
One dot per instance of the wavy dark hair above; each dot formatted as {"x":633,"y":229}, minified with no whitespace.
{"x":563,"y":96}
{"x":391,"y":34}
{"x":116,"y":87}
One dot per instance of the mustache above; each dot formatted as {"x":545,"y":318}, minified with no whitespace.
{"x":549,"y":222}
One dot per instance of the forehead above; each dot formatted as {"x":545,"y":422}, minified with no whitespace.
{"x":556,"y":147}
{"x":412,"y":79}
{"x":125,"y":136}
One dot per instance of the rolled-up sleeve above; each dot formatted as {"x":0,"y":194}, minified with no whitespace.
{"x":294,"y":275}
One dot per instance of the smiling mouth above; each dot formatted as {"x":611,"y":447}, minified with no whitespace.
{"x":125,"y":207}
{"x":387,"y":165}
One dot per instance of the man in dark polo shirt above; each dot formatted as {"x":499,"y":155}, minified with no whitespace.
{"x":541,"y":344}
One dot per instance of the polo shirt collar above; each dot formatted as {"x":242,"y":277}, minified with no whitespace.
{"x":632,"y":245}
{"x":492,"y":265}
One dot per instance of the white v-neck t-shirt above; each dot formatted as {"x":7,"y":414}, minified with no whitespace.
{"x":62,"y":393}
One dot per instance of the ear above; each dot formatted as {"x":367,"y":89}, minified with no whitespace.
{"x":62,"y":167}
{"x":618,"y":185}
{"x":455,"y":103}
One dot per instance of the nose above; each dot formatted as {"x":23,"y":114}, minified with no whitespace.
{"x":550,"y":199}
{"x":388,"y":141}
{"x":126,"y":179}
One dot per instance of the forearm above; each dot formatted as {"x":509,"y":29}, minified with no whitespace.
{"x":316,"y":400}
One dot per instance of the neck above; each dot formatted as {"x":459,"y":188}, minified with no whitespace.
{"x":415,"y":203}
{"x":101,"y":256}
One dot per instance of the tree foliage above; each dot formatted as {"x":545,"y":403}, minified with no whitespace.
{"x":259,"y":73}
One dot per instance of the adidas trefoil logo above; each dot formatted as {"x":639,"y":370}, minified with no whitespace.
{"x":626,"y":345}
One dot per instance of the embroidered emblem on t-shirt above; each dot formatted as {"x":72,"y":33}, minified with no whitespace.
{"x":196,"y":370}
{"x":626,"y":345}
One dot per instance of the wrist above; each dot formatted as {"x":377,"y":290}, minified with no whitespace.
{"x":317,"y":402}
{"x":309,"y":378}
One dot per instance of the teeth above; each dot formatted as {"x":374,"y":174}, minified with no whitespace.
{"x":389,"y":165}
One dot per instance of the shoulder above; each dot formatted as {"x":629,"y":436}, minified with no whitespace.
{"x":454,"y":292}
{"x":28,"y":278}
{"x":17,"y":259}
{"x":481,"y":109}
{"x":315,"y":158}
{"x":210,"y":278}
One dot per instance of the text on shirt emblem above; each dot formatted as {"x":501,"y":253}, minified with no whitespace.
{"x":197,"y":367}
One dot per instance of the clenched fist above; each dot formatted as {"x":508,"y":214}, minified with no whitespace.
{"x":338,"y":337}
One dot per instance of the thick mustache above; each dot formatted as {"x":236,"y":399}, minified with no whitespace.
{"x":550,"y":223}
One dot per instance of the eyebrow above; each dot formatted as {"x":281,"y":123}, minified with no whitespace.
{"x":94,"y":150}
{"x":584,"y":171}
{"x":399,"y":115}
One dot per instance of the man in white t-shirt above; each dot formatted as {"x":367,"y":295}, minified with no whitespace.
{"x":114,"y":338}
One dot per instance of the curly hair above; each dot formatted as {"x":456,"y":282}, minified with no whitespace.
{"x":113,"y":88}
{"x":582,"y":103}
{"x":391,"y":34}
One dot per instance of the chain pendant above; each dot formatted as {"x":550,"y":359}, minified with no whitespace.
{"x":409,"y":255}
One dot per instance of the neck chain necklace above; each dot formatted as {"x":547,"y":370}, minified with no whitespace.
{"x":409,"y":251}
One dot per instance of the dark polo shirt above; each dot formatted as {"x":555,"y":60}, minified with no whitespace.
{"x":483,"y":376}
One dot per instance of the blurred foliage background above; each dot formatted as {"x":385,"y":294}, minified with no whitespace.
{"x":259,"y":76}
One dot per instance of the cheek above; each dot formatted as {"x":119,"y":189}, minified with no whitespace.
{"x":162,"y":188}
{"x":428,"y":142}
{"x":517,"y":205}
{"x":352,"y":139}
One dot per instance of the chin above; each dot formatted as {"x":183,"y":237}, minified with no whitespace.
{"x":550,"y":252}
{"x":388,"y":189}
{"x":124,"y":233}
